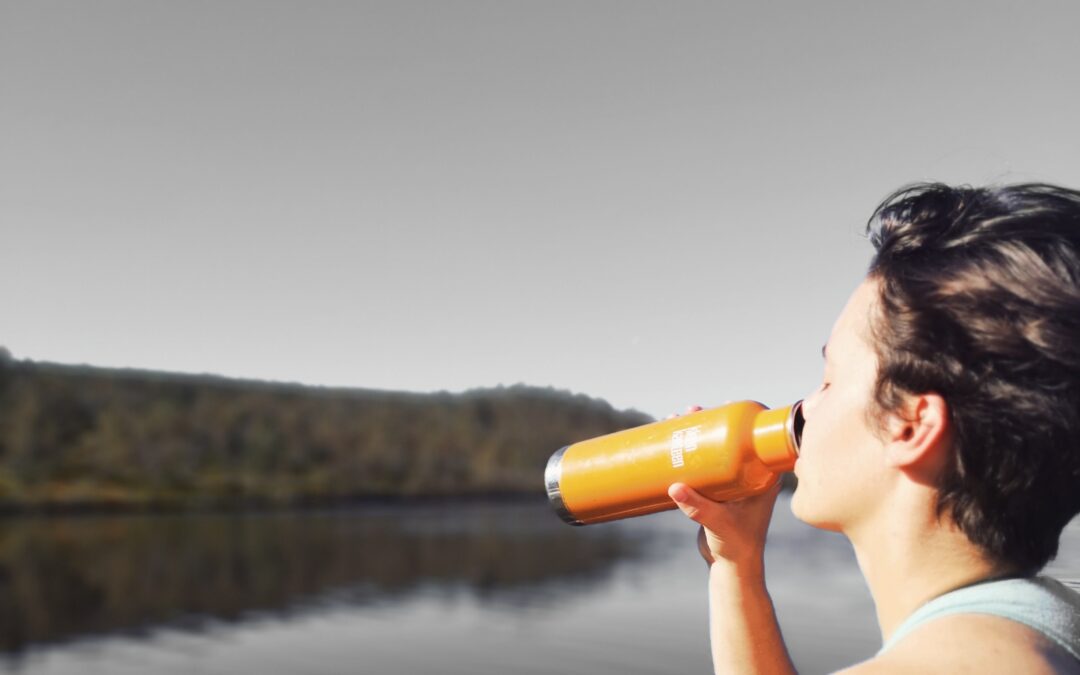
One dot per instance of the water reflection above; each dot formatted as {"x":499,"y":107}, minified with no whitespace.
{"x":494,"y":588}
{"x":73,"y":577}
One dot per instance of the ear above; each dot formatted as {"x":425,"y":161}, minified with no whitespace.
{"x":918,"y":435}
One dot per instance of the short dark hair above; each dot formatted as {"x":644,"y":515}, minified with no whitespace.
{"x":980,"y":302}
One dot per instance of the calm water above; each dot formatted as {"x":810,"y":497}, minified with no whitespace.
{"x":405,"y":590}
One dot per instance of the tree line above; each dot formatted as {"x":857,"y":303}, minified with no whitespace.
{"x":79,"y":437}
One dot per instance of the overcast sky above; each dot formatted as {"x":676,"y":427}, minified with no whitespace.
{"x":655,"y":203}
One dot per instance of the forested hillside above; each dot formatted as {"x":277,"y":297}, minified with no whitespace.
{"x":78,"y":437}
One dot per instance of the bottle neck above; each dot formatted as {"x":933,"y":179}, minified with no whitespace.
{"x":776,"y":435}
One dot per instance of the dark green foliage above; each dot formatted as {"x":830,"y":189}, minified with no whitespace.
{"x":93,"y":437}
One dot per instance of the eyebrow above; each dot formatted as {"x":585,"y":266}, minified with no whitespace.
{"x":824,"y":349}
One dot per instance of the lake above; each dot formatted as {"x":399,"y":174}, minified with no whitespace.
{"x":471,"y":589}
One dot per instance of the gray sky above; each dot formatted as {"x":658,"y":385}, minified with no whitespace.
{"x":655,"y":203}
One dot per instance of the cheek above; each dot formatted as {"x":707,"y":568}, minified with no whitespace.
{"x":818,"y":434}
{"x":826,"y":454}
{"x":838,"y":467}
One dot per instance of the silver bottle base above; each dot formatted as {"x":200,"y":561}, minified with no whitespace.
{"x":552,"y":476}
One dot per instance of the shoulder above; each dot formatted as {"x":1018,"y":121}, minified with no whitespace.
{"x":972,"y":643}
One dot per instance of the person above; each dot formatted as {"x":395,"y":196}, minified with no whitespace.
{"x":943,"y":441}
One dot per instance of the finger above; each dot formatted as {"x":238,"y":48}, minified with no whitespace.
{"x":696,"y":507}
{"x":769,"y":495}
{"x":703,"y":546}
{"x":774,"y":490}
{"x":672,"y":416}
{"x":693,"y":409}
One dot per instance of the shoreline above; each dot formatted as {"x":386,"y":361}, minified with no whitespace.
{"x":15,"y":511}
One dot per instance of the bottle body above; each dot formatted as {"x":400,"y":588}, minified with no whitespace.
{"x":734,"y":451}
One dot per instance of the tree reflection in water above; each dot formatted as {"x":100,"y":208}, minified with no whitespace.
{"x":65,"y":578}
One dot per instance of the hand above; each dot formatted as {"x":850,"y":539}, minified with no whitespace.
{"x":731,"y":532}
{"x":691,"y":409}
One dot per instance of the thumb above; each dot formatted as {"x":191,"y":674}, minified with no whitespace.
{"x":692,"y":503}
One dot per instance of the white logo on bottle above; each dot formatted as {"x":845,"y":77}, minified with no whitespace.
{"x":682,"y":441}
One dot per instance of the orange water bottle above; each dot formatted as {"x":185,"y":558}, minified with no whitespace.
{"x":734,"y":451}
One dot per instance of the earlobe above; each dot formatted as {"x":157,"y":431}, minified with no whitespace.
{"x":920,"y":436}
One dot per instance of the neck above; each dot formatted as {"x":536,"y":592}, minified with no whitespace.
{"x":909,"y":557}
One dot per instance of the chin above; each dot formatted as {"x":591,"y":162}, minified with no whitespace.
{"x":796,"y":504}
{"x":802,"y":508}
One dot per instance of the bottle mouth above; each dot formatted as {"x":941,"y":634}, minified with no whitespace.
{"x":795,"y":424}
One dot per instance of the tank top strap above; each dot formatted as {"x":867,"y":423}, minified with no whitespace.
{"x":1042,"y":603}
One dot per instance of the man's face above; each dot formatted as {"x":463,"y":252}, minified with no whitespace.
{"x":841,"y":460}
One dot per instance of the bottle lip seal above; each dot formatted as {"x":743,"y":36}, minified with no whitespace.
{"x":794,"y":427}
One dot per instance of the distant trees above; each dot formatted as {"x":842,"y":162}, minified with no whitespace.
{"x":80,"y":436}
{"x":5,"y":366}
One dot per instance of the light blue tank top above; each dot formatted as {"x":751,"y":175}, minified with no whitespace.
{"x":1042,"y":603}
